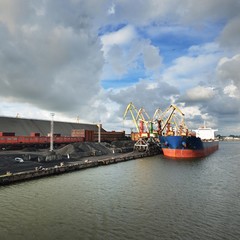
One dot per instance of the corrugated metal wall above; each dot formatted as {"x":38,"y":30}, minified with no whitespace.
{"x":24,"y":127}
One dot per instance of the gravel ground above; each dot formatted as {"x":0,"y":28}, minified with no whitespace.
{"x":77,"y":152}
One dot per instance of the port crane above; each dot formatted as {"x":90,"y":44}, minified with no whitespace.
{"x":157,"y":114}
{"x":140,"y":118}
{"x":156,"y":120}
{"x":144,"y":126}
{"x":134,"y":114}
{"x":144,"y":121}
{"x":171,"y":123}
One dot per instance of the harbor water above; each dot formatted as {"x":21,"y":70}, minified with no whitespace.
{"x":150,"y":198}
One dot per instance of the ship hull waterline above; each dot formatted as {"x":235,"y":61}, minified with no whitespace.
{"x":187,"y":147}
{"x":189,"y":153}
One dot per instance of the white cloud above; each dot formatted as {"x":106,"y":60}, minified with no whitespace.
{"x":123,"y":52}
{"x":111,"y":9}
{"x":200,"y":93}
{"x":13,"y":13}
{"x":124,"y":36}
{"x":205,"y":49}
{"x":152,"y":59}
{"x":228,"y":70}
{"x":52,"y":58}
{"x":191,"y":111}
{"x":230,"y":35}
{"x":51,"y":65}
{"x":188,"y":71}
{"x":194,"y":117}
{"x":232,"y":91}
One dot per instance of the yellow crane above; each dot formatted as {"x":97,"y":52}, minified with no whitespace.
{"x":170,"y":119}
{"x":144,"y":120}
{"x":140,"y":118}
{"x":134,"y":113}
{"x":143,"y":139}
{"x":157,"y":114}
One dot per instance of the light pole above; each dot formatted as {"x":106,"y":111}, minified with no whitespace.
{"x":51,"y":133}
{"x":99,"y":131}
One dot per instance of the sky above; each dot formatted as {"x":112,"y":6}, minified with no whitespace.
{"x":88,"y":59}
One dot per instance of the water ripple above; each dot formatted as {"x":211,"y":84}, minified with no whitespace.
{"x":152,"y":198}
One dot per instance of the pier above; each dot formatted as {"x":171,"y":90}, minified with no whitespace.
{"x":63,"y":167}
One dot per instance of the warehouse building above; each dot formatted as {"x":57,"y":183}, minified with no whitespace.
{"x":10,"y":126}
{"x":24,"y":127}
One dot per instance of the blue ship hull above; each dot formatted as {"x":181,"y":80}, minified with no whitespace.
{"x":186,"y":147}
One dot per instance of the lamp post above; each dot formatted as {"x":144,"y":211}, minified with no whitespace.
{"x":51,"y":133}
{"x":99,"y":131}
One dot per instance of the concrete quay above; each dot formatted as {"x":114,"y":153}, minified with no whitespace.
{"x":65,"y":167}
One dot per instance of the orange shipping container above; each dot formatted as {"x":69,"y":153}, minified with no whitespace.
{"x":135,"y":136}
{"x":34,"y":134}
{"x":78,"y":133}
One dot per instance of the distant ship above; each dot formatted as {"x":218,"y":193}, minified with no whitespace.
{"x":201,"y":144}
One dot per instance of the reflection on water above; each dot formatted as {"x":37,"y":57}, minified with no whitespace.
{"x":152,"y":198}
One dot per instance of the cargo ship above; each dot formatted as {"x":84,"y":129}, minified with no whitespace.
{"x":200,"y":144}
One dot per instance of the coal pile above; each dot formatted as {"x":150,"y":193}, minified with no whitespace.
{"x":78,"y":150}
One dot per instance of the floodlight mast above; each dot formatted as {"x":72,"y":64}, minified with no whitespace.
{"x":99,"y":131}
{"x":51,"y":133}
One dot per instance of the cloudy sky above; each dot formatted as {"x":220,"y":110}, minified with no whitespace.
{"x":90,"y":58}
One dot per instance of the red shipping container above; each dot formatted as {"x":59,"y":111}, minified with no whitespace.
{"x":89,"y":135}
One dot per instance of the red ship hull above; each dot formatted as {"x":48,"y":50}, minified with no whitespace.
{"x":208,"y":148}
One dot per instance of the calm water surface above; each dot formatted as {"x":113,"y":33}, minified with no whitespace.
{"x":152,"y":198}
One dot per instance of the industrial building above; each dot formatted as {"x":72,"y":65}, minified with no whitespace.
{"x":25,"y":132}
{"x":24,"y":127}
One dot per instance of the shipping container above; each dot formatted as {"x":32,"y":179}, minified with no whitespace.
{"x":35,"y":134}
{"x":3,"y":134}
{"x":89,"y":135}
{"x":135,"y":136}
{"x":110,"y":136}
{"x":54,"y":135}
{"x":78,"y":133}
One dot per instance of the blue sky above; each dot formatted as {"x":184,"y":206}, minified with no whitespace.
{"x":91,"y":58}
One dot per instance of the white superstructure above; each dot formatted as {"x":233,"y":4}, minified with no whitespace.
{"x":205,"y":133}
